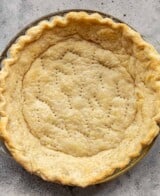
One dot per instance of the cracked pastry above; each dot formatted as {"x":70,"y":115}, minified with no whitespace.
{"x":79,"y":98}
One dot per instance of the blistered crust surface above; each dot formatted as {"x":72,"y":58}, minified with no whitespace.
{"x":79,"y":98}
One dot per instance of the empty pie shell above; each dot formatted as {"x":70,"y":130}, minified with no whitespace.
{"x":79,"y":98}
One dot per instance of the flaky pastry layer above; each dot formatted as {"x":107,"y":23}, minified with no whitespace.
{"x":80,"y":98}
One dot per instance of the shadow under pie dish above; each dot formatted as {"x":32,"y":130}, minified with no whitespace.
{"x":79,"y":98}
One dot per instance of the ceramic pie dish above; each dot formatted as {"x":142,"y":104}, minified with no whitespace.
{"x":79,"y":98}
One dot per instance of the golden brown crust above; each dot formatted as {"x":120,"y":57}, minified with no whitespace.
{"x":140,"y":49}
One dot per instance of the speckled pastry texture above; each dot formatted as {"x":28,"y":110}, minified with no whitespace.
{"x":79,"y":98}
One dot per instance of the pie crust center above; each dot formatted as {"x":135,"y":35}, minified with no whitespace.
{"x":75,"y":100}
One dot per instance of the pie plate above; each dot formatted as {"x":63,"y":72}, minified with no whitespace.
{"x":5,"y":54}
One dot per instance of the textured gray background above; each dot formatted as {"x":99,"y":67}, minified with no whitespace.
{"x":143,"y":179}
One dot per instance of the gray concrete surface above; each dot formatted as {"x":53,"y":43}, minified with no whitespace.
{"x":143,"y":179}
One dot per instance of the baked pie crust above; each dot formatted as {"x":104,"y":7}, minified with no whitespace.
{"x":80,"y":98}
